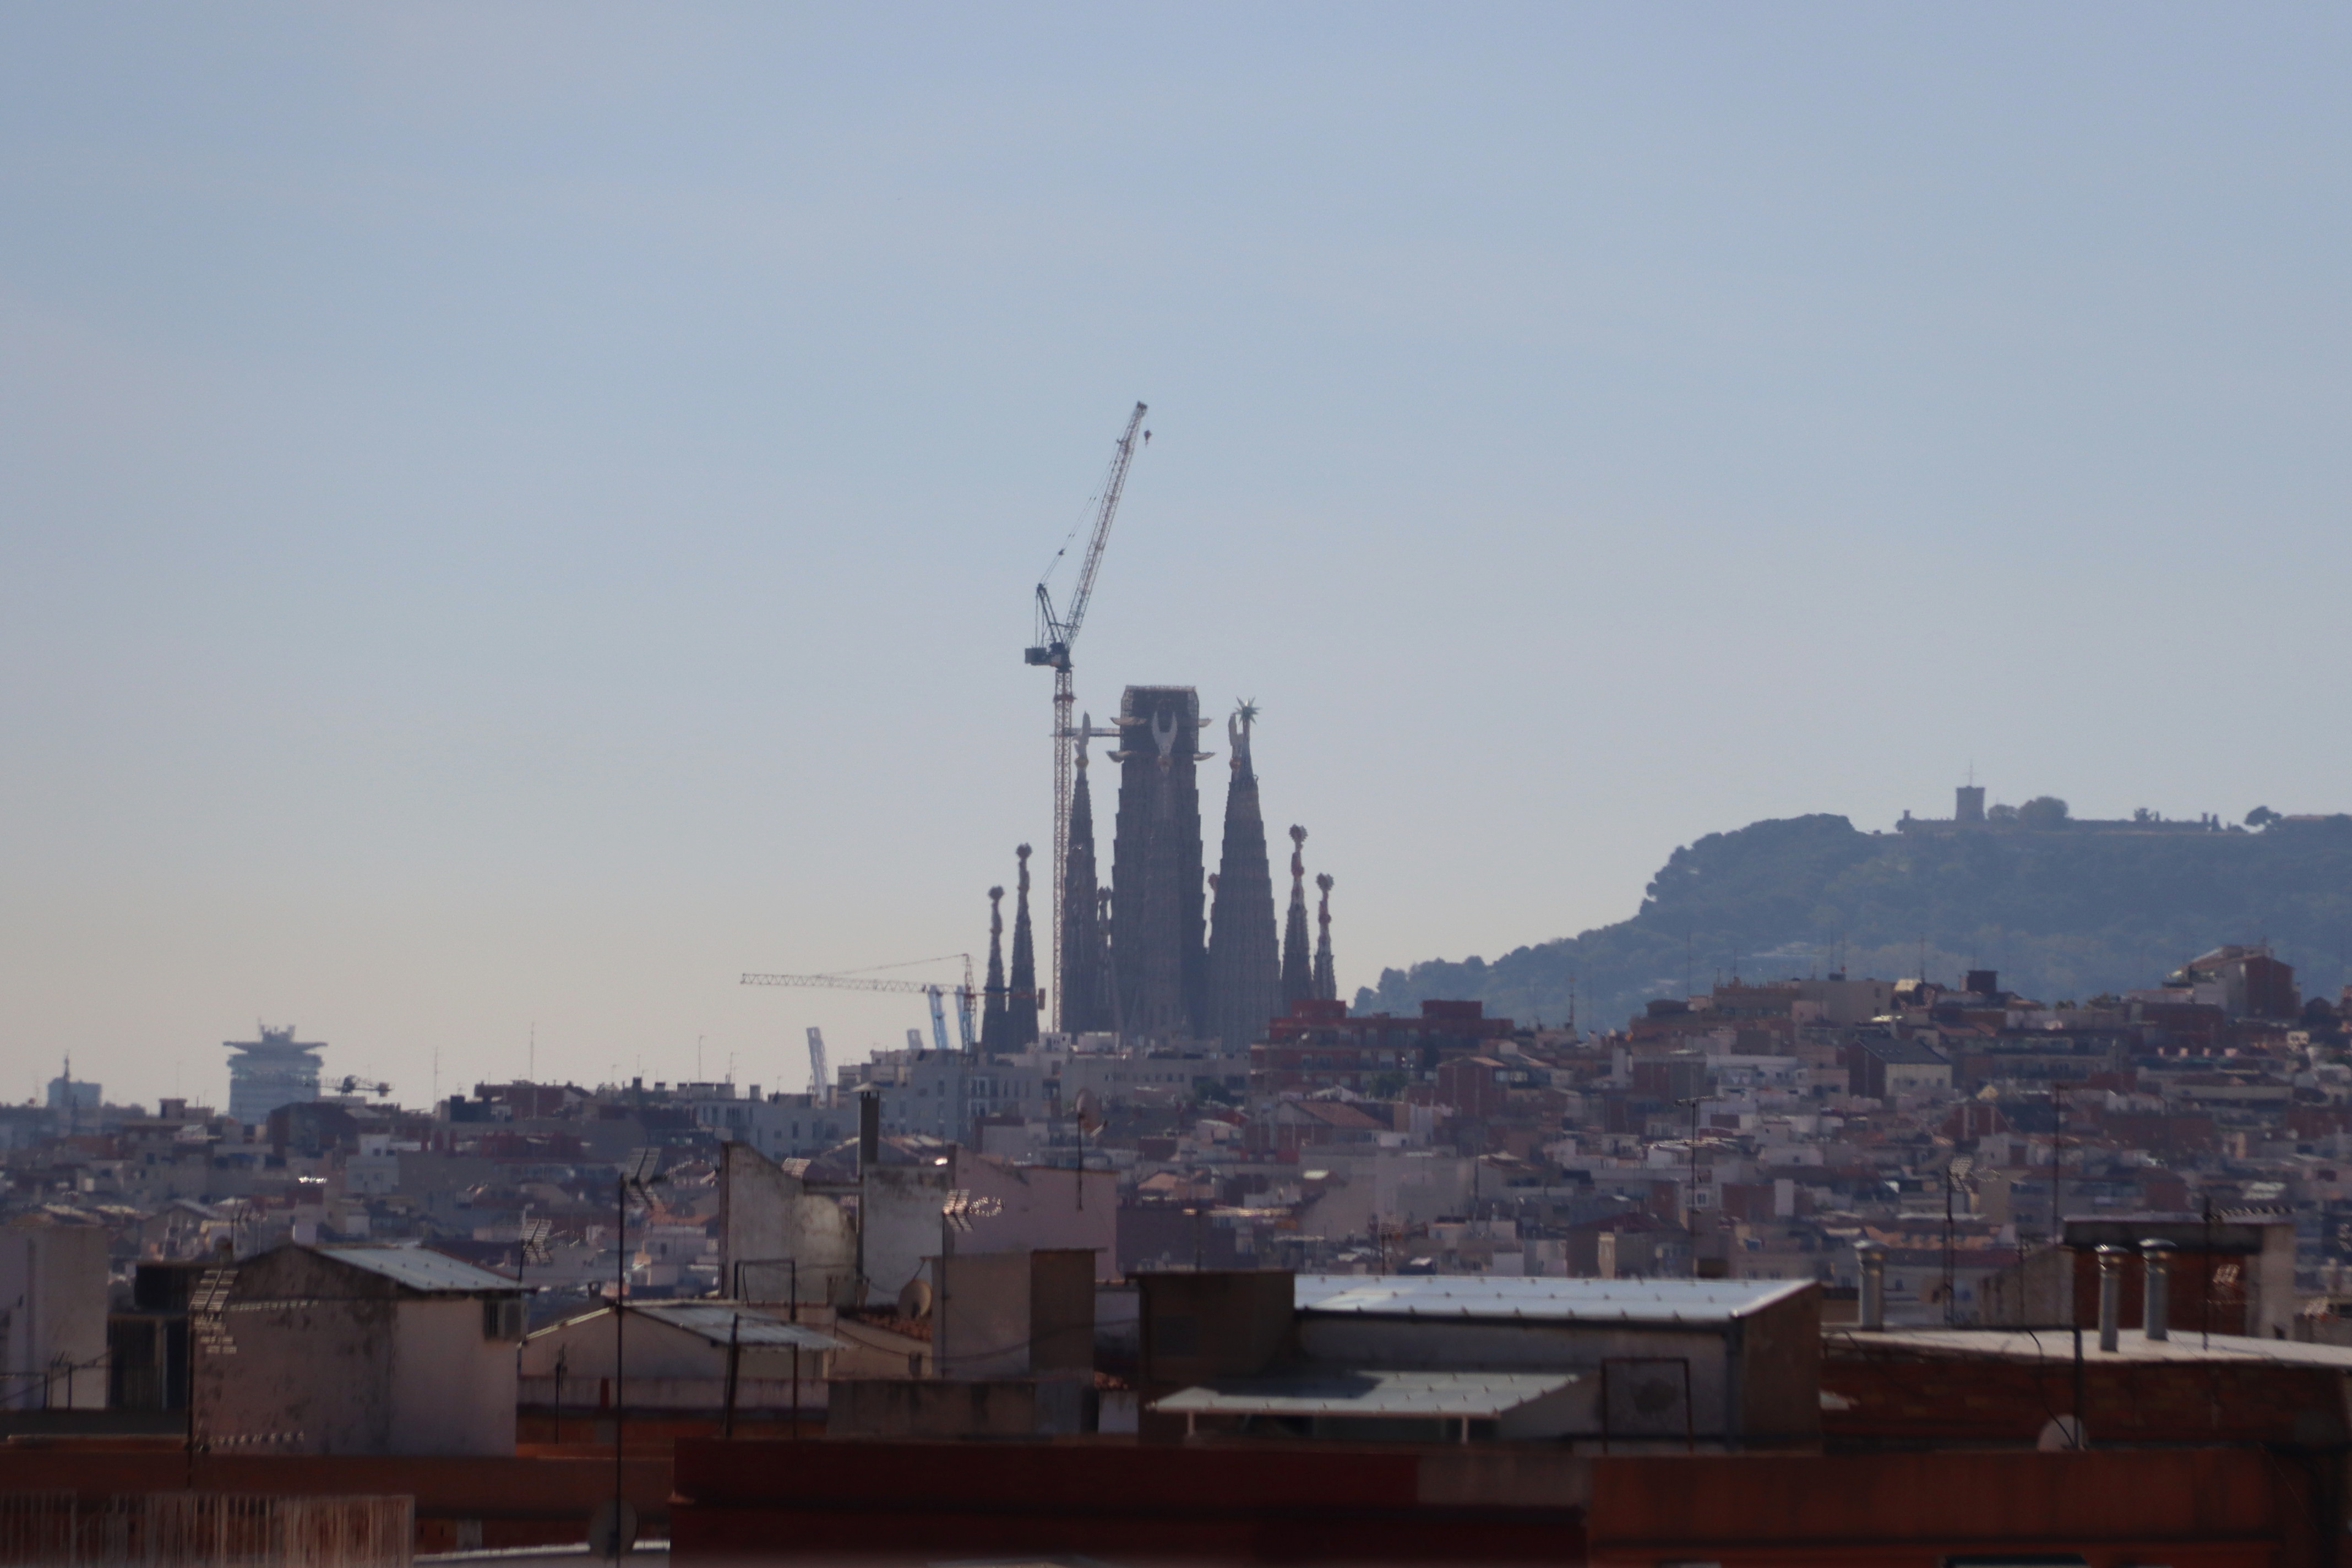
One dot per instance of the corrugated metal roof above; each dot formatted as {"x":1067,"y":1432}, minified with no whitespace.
{"x":420,"y":1268}
{"x":1490,"y":1296}
{"x":1475,"y":1394}
{"x":715,"y":1321}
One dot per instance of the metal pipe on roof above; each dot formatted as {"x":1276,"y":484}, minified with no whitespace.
{"x":2111,"y":1297}
{"x":1872,"y":1262}
{"x":2155,"y":1307}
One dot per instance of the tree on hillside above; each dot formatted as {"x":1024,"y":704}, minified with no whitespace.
{"x":2044,"y":810}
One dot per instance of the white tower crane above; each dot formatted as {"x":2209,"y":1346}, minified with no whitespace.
{"x":967,"y":997}
{"x":820,"y":1080}
{"x":1055,"y":636}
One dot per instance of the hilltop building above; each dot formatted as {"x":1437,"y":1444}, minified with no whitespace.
{"x":2047,"y":814}
{"x":274,"y":1070}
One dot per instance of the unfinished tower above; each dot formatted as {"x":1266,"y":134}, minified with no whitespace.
{"x":1244,"y":968}
{"x":1159,"y":962}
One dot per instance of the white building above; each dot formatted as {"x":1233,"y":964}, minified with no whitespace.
{"x":274,"y":1070}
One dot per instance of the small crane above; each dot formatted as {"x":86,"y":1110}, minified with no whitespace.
{"x":1055,"y":636}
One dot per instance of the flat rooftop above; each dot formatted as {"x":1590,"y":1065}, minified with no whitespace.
{"x":1452,"y":1394}
{"x":1508,"y":1297}
{"x":2058,"y":1344}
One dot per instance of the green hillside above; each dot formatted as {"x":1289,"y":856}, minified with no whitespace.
{"x":2064,"y":912}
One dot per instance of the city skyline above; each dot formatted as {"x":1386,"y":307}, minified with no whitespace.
{"x":515,"y":521}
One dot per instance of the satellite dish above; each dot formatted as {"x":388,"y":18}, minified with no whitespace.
{"x":1089,"y":1110}
{"x":2060,"y":1433}
{"x":915,"y":1300}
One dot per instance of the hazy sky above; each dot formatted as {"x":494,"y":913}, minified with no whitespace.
{"x":513,"y":515}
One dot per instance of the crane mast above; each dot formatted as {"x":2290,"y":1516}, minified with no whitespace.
{"x":820,"y":1080}
{"x":1055,"y":636}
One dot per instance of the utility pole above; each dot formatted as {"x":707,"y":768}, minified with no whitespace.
{"x":1690,"y":1192}
{"x":636,"y":1176}
{"x":1955,"y":1173}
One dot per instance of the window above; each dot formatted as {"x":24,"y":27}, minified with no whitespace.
{"x":502,"y":1316}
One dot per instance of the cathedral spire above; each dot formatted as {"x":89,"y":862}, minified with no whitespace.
{"x":1245,"y":967}
{"x":1082,"y":930}
{"x":1298,"y":969}
{"x":1021,"y":1005}
{"x":993,"y":1021}
{"x":1106,"y":1004}
{"x":1327,"y":979}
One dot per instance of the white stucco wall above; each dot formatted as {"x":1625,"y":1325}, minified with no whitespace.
{"x":453,"y":1389}
{"x":331,"y":1359}
{"x":52,"y":1309}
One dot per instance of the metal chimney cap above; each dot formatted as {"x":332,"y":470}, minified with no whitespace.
{"x":2157,"y":1246}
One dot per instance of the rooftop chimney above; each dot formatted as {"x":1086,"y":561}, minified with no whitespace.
{"x":2111,"y":1297}
{"x":1874,"y":1283}
{"x":869,"y":1130}
{"x":2156,"y":1310}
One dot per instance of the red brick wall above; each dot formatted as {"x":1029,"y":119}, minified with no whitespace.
{"x":1893,"y":1395}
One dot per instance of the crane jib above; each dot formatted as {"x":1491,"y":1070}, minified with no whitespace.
{"x":1055,"y":636}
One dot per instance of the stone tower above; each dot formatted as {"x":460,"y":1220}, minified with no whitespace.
{"x":993,"y":1017}
{"x":1158,"y":959}
{"x":1298,"y":969}
{"x":1327,"y":978}
{"x":1084,"y":1000}
{"x":1021,"y":1004}
{"x":1244,"y":968}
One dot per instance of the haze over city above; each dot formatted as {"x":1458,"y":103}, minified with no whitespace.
{"x":514,"y":517}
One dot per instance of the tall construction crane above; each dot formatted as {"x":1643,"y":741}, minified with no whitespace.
{"x":1055,"y":636}
{"x":966,"y":997}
